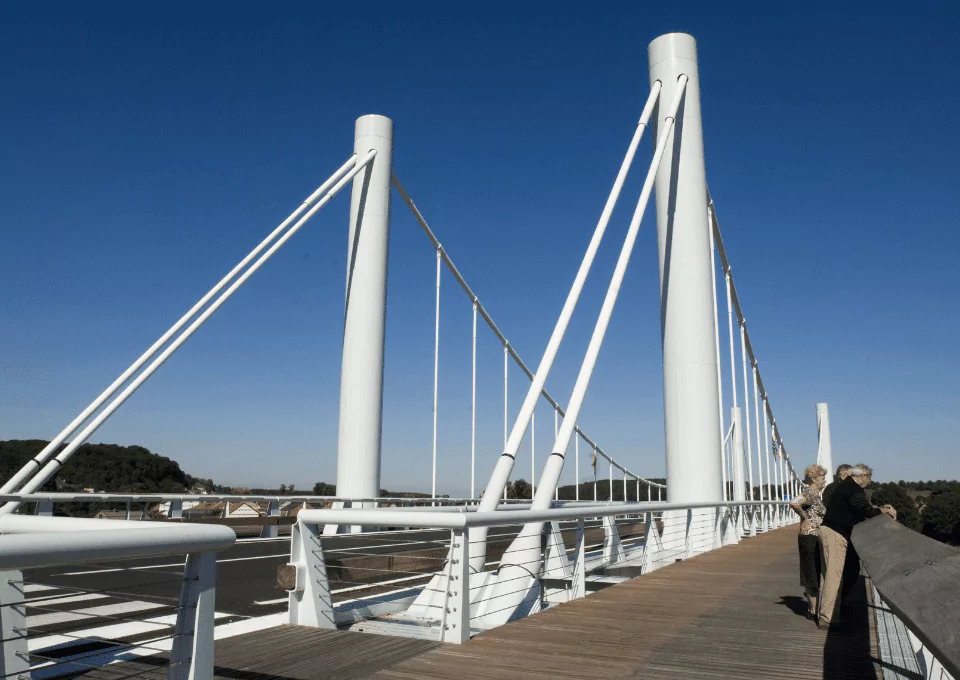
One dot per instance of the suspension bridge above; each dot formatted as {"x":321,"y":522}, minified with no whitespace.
{"x":688,"y":578}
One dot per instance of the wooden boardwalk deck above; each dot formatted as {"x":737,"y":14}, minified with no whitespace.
{"x":730,"y":613}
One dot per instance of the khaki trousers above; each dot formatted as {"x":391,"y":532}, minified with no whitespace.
{"x":834,"y":548}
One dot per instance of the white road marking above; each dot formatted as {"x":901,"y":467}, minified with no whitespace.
{"x":36,"y":587}
{"x":91,"y":612}
{"x":112,"y":632}
{"x":46,"y":601}
{"x":168,"y":566}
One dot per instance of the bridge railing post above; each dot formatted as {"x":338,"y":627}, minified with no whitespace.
{"x":272,"y":530}
{"x":15,"y":658}
{"x":191,"y":657}
{"x":579,"y":579}
{"x":305,"y":578}
{"x":455,"y":618}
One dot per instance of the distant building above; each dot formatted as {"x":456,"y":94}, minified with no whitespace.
{"x":115,"y":514}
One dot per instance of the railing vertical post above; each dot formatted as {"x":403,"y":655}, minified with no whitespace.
{"x":13,"y":626}
{"x":576,"y":458}
{"x":176,"y":509}
{"x":610,"y":496}
{"x":579,"y":580}
{"x":310,"y":600}
{"x":456,"y":619}
{"x":191,"y":657}
{"x":361,"y":376}
{"x":271,"y":530}
{"x":692,"y":439}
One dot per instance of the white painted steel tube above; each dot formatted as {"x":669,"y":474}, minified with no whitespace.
{"x":25,"y":551}
{"x":691,"y":413}
{"x":576,"y":456}
{"x":739,"y":492}
{"x":364,"y":320}
{"x":28,"y":524}
{"x":716,"y":340}
{"x":756,"y":415}
{"x":450,"y":520}
{"x":14,"y":482}
{"x":506,"y":358}
{"x":554,"y":465}
{"x":746,"y":410}
{"x":473,"y":408}
{"x":533,"y":453}
{"x":504,"y":465}
{"x":436,"y":382}
{"x":767,"y":451}
{"x":54,"y":465}
{"x":733,"y":362}
{"x":824,"y":448}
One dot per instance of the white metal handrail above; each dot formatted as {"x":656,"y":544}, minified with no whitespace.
{"x":459,"y":600}
{"x":444,"y":520}
{"x":32,"y":542}
{"x":70,"y":544}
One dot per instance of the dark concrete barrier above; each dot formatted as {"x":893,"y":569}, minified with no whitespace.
{"x":919,"y":579}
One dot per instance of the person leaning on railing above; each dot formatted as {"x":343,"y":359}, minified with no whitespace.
{"x":846,"y":507}
{"x":810,"y":508}
{"x":843,"y":471}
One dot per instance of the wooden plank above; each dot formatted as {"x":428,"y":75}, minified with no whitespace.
{"x":730,"y":613}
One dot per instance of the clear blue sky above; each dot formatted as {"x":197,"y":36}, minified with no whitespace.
{"x":145,"y":153}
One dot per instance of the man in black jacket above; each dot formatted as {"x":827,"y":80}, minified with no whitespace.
{"x":843,"y":471}
{"x":847,"y":506}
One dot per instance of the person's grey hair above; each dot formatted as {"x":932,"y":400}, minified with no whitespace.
{"x":861,"y":470}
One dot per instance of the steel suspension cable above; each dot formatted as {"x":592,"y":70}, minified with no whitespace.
{"x":746,"y":404}
{"x":716,"y":341}
{"x":436,"y":380}
{"x":473,"y":408}
{"x":734,"y":298}
{"x":590,"y":252}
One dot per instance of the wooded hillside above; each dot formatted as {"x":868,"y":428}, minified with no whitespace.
{"x":103,"y":467}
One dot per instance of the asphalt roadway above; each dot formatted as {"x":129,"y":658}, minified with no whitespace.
{"x":246,"y":573}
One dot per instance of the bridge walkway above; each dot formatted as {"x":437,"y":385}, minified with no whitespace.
{"x":737,"y":612}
